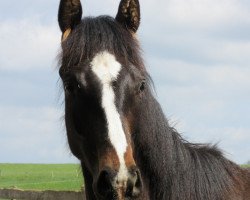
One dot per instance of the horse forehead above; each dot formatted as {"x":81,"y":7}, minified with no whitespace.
{"x":106,"y":67}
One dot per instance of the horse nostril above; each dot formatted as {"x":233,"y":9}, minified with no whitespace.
{"x":108,"y":186}
{"x":104,"y":182}
{"x":134,"y":186}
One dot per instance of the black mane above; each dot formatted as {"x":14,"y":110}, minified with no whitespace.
{"x":176,"y":168}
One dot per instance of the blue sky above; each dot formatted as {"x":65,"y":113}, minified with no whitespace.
{"x":197,"y":51}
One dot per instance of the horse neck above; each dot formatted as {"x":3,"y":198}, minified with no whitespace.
{"x":157,"y":144}
{"x":173,"y":168}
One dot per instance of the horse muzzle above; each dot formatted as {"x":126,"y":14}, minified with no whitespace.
{"x":110,"y":185}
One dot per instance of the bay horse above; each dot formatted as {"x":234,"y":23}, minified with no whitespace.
{"x":116,"y":127}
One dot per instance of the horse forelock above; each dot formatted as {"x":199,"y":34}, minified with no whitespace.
{"x":95,"y":35}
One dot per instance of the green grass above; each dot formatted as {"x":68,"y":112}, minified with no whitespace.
{"x":60,"y":177}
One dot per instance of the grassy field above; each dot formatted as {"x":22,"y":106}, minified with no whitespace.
{"x":41,"y":177}
{"x":60,"y":177}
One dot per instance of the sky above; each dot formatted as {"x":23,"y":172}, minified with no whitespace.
{"x":197,"y":52}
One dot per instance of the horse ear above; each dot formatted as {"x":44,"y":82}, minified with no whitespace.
{"x":129,"y":14}
{"x":69,"y":15}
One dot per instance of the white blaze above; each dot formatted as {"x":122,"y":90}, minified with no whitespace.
{"x":107,"y":69}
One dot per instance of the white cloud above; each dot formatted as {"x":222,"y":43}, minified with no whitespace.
{"x":186,"y":73}
{"x":27,"y":44}
{"x":197,"y":31}
{"x":195,"y":48}
{"x":205,"y":88}
{"x":95,"y":8}
{"x":190,"y":13}
{"x":32,"y":135}
{"x":207,"y":103}
{"x":236,"y":52}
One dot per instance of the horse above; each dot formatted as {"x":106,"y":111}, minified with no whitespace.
{"x":116,"y":127}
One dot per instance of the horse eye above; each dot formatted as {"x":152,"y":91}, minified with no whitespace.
{"x":143,"y":85}
{"x":68,"y":87}
{"x":71,"y":87}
